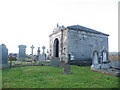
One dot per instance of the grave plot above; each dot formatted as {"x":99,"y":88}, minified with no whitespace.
{"x":103,"y":65}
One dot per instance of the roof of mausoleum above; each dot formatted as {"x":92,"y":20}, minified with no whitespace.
{"x":79,"y":27}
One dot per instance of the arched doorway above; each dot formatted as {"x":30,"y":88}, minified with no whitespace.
{"x":56,"y":48}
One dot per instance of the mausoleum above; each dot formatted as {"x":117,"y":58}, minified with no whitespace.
{"x":76,"y":43}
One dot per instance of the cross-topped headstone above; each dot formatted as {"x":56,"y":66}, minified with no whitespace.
{"x":43,"y":49}
{"x":32,"y":47}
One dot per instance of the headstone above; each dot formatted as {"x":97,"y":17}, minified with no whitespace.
{"x":38,"y":51}
{"x":42,"y":57}
{"x":95,"y":64}
{"x":67,"y":69}
{"x":43,"y":49}
{"x":22,"y":52}
{"x":55,"y":61}
{"x":32,"y":47}
{"x":105,"y":64}
{"x":3,"y":57}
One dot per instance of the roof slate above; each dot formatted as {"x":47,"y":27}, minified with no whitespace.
{"x":79,"y":27}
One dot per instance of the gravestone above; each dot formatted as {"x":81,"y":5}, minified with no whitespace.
{"x":95,"y":64}
{"x":43,"y":49}
{"x":38,"y":54}
{"x":55,"y":61}
{"x":22,"y":52}
{"x":67,"y":69}
{"x":3,"y":57}
{"x":32,"y":47}
{"x":42,"y":57}
{"x":38,"y":51}
{"x":105,"y":64}
{"x":62,"y":63}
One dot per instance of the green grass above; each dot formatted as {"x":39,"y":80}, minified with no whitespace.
{"x":51,"y":77}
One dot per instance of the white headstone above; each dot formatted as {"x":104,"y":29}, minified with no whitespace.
{"x":104,"y":56}
{"x":105,"y":64}
{"x":95,"y":63}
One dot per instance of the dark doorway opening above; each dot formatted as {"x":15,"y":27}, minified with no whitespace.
{"x":56,"y":48}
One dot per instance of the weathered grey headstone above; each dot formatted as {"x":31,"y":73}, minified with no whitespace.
{"x":105,"y":64}
{"x":42,"y":57}
{"x":55,"y":61}
{"x":38,"y":51}
{"x":3,"y":56}
{"x":67,"y":69}
{"x":22,"y":52}
{"x":95,"y":64}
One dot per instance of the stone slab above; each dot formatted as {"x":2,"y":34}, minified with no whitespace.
{"x":115,"y":64}
{"x":105,"y":65}
{"x":67,"y":69}
{"x":55,"y":61}
{"x":95,"y":66}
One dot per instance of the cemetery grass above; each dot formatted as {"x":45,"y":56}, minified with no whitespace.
{"x":52,"y":77}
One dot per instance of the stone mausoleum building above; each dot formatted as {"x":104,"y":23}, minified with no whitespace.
{"x":75,"y":44}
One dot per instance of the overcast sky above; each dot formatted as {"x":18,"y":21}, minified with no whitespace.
{"x":30,"y":22}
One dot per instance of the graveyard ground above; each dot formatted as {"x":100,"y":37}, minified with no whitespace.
{"x":51,"y":77}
